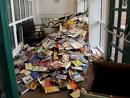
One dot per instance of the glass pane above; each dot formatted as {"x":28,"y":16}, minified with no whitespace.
{"x":124,"y":4}
{"x":102,"y":35}
{"x":119,"y":57}
{"x":9,"y":11}
{"x":114,"y":36}
{"x":116,"y":3}
{"x":12,"y":37}
{"x":16,"y":10}
{"x":113,"y":53}
{"x":30,"y":8}
{"x":123,"y":20}
{"x":22,"y":9}
{"x":121,"y":42}
{"x":19,"y":33}
{"x":115,"y":18}
{"x":27,"y":8}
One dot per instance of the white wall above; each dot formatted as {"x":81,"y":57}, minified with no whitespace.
{"x":35,"y":10}
{"x":63,"y":7}
{"x":82,"y":5}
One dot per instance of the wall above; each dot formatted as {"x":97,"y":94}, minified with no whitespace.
{"x":53,"y":7}
{"x":82,"y":5}
{"x":35,"y":9}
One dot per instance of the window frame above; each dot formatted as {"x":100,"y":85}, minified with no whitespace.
{"x":14,"y":23}
{"x":102,"y":22}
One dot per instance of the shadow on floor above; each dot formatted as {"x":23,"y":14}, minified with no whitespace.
{"x":40,"y":94}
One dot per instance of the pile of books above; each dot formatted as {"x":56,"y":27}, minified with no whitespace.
{"x":58,"y":62}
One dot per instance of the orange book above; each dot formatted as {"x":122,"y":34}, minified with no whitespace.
{"x":72,"y":85}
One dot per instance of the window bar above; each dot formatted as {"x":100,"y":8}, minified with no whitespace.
{"x":111,"y":22}
{"x":118,"y":32}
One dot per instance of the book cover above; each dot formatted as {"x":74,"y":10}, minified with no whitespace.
{"x":22,"y":89}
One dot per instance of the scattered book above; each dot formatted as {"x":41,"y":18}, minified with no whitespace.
{"x":65,"y":58}
{"x":40,"y":69}
{"x":55,"y":55}
{"x":24,"y":72}
{"x":76,"y":94}
{"x":22,"y":89}
{"x":62,"y":84}
{"x":33,"y":85}
{"x":78,"y":78}
{"x":34,"y":75}
{"x":66,"y":65}
{"x":56,"y":64}
{"x":52,"y":89}
{"x":66,"y":44}
{"x":28,"y":66}
{"x":28,"y":79}
{"x":76,"y":45}
{"x":60,"y":76}
{"x":72,"y":85}
{"x":48,"y":52}
{"x":77,"y":68}
{"x":77,"y":62}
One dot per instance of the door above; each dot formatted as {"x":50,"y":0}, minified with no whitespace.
{"x":8,"y":86}
{"x":118,"y":22}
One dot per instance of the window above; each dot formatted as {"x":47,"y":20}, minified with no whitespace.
{"x":118,"y":16}
{"x":22,"y":9}
{"x":19,"y":33}
{"x":12,"y":37}
{"x":16,"y":10}
{"x":9,"y":11}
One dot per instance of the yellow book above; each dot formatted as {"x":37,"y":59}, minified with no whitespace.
{"x":77,"y":62}
{"x":52,"y":89}
{"x":28,"y":66}
{"x":76,"y":94}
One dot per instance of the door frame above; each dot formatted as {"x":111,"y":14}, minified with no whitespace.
{"x":6,"y":58}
